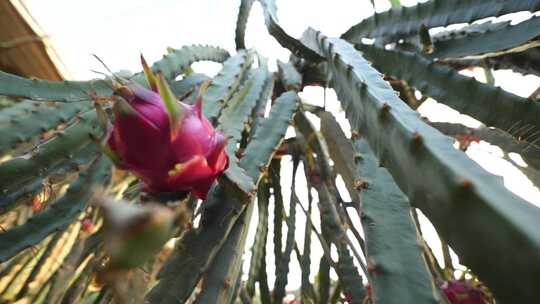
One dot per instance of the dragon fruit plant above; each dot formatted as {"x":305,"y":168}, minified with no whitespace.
{"x":143,"y":189}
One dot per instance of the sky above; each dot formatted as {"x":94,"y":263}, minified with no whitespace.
{"x":118,"y":31}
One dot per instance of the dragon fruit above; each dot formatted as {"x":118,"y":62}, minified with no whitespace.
{"x":169,"y":145}
{"x":460,"y":292}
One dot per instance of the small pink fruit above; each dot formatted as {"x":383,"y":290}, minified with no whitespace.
{"x":461,"y":292}
{"x":466,"y":140}
{"x":87,"y":225}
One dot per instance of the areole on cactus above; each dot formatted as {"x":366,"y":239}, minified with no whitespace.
{"x":166,"y":143}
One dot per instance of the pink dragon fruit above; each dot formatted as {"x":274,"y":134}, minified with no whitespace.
{"x":461,"y":292}
{"x":166,"y":143}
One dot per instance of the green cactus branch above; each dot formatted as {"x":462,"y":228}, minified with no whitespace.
{"x":59,"y":215}
{"x":241,"y":22}
{"x":479,"y":28}
{"x":348,"y":275}
{"x":9,"y":268}
{"x":307,"y":290}
{"x":270,"y":134}
{"x":17,"y":111}
{"x":225,"y":83}
{"x":178,"y":60}
{"x":70,"y":91}
{"x":528,"y":150}
{"x":70,"y":148}
{"x":264,"y":143}
{"x":449,"y":87}
{"x":66,"y":274}
{"x":259,"y":243}
{"x":20,"y":282}
{"x":263,"y":284}
{"x":279,"y":211}
{"x":221,"y":277}
{"x":289,"y":76}
{"x":282,"y":265}
{"x":532,"y":173}
{"x":527,"y":62}
{"x":182,"y":270}
{"x":489,"y":41}
{"x":195,"y":252}
{"x":391,"y":237}
{"x":45,"y":90}
{"x":49,"y":261}
{"x":57,"y":149}
{"x":324,"y":280}
{"x":37,"y":120}
{"x":446,"y":183}
{"x":405,"y":21}
{"x":260,"y":107}
{"x":347,"y":272}
{"x":286,"y":41}
{"x":24,"y":189}
{"x":79,"y":288}
{"x":20,"y":273}
{"x":333,"y":228}
{"x":341,"y":152}
{"x":189,"y":85}
{"x":226,"y":268}
{"x":234,"y":119}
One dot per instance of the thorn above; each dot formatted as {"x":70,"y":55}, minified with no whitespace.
{"x":239,"y":153}
{"x":361,"y":86}
{"x":361,"y":184}
{"x":336,"y":58}
{"x":417,"y":140}
{"x":349,"y":69}
{"x":371,"y":265}
{"x":465,"y":184}
{"x":149,"y":74}
{"x":385,"y":109}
